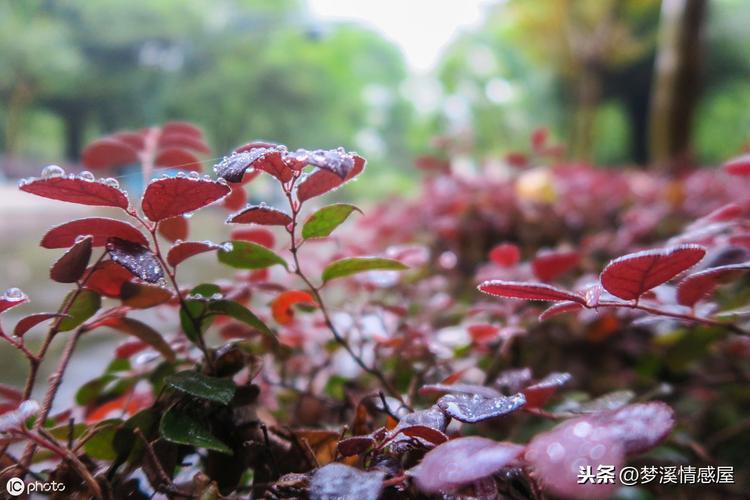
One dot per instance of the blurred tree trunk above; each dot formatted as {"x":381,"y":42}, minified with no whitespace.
{"x":75,"y":121}
{"x":676,"y":82}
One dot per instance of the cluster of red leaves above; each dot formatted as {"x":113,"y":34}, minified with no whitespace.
{"x":373,"y":396}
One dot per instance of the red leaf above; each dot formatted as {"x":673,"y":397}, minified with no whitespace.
{"x":165,"y":198}
{"x":462,"y":461}
{"x":109,"y":152}
{"x":630,"y":276}
{"x":11,"y":298}
{"x":237,"y":197}
{"x":725,"y":213}
{"x":174,"y":228}
{"x":516,"y":159}
{"x":107,"y":278}
{"x":482,"y":390}
{"x":483,"y":333}
{"x":129,"y":349}
{"x":260,"y":236}
{"x":560,"y":308}
{"x":538,"y":393}
{"x":355,"y":445}
{"x":133,"y":139}
{"x":528,"y":291}
{"x":70,"y":267}
{"x":549,"y":264}
{"x":143,"y":296}
{"x":424,"y":433}
{"x":187,"y":249}
{"x":179,"y":127}
{"x":28,"y":322}
{"x":180,"y":140}
{"x":505,"y":255}
{"x":739,"y":165}
{"x":137,"y":259}
{"x":260,"y":214}
{"x":321,"y":181}
{"x":175,"y":157}
{"x":539,"y":139}
{"x":77,"y":190}
{"x":256,"y":155}
{"x":702,"y":284}
{"x":101,"y":228}
{"x":282,"y":305}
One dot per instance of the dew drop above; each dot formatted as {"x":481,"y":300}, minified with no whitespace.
{"x":194,"y":175}
{"x":112,"y":182}
{"x":582,"y":429}
{"x":188,"y":215}
{"x":87,"y":176}
{"x":227,"y":247}
{"x":52,"y":171}
{"x":181,"y":175}
{"x":217,"y":296}
{"x":14,"y":294}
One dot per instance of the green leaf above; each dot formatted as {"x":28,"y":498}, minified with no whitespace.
{"x":324,"y":221}
{"x":220,"y":390}
{"x":144,"y":333}
{"x":180,"y":428}
{"x":193,"y":318}
{"x":240,"y":313}
{"x":353,"y":265}
{"x":89,"y":391}
{"x":249,"y":255}
{"x":101,"y":444}
{"x":84,"y":306}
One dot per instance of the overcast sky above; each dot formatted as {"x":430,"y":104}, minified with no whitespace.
{"x":420,"y":27}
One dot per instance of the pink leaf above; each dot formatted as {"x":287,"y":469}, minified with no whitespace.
{"x":560,"y":308}
{"x":101,"y":228}
{"x":77,"y":190}
{"x":186,"y":249}
{"x":702,"y":284}
{"x":165,"y":198}
{"x":630,"y":276}
{"x":505,"y":255}
{"x":260,"y":214}
{"x":739,"y":165}
{"x":549,"y":264}
{"x":462,"y":461}
{"x":528,"y":291}
{"x":108,"y":152}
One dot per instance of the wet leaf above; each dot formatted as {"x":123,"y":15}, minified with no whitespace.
{"x":324,"y":221}
{"x":550,"y":264}
{"x":462,"y":461}
{"x":260,"y":214}
{"x":219,"y":390}
{"x":77,"y":190}
{"x":177,"y":426}
{"x":341,"y":481}
{"x":70,"y":267}
{"x":321,"y":181}
{"x":240,"y":313}
{"x":165,"y":198}
{"x":473,"y":408}
{"x":186,"y":249}
{"x":100,"y":228}
{"x":560,"y":308}
{"x":107,"y":278}
{"x":248,"y":255}
{"x":632,"y":275}
{"x":353,"y":265}
{"x":528,"y":291}
{"x":11,"y":298}
{"x":537,"y":394}
{"x":174,"y":228}
{"x":137,"y":259}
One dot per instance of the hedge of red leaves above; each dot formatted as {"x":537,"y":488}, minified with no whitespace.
{"x":365,"y":363}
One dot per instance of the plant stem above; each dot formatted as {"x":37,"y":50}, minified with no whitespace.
{"x":294,"y":247}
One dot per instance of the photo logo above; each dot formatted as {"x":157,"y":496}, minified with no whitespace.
{"x":15,"y":486}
